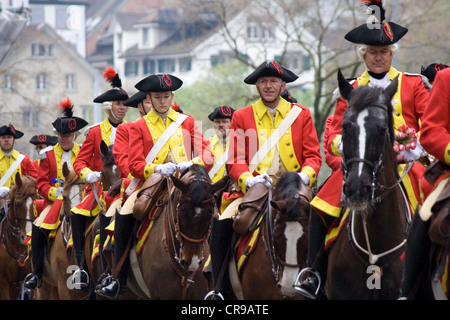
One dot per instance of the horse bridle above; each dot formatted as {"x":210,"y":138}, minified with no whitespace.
{"x":274,"y":256}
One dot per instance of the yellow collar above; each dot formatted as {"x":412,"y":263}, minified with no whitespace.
{"x":14,"y":154}
{"x":153,"y":117}
{"x":364,"y":79}
{"x":283,"y":108}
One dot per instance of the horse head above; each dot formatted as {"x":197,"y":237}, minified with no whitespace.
{"x":290,"y":229}
{"x":367,"y":138}
{"x":194,"y":213}
{"x":110,"y":171}
{"x":21,"y":212}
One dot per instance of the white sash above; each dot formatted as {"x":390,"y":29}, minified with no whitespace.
{"x":276,"y":135}
{"x":220,"y":162}
{"x":168,"y":133}
{"x":11,"y":169}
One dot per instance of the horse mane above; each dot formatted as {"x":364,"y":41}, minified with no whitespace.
{"x":365,"y":96}
{"x":73,"y":177}
{"x":197,"y":187}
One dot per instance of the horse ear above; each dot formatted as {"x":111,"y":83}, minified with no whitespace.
{"x":275,"y":205}
{"x":65,"y":170}
{"x":345,"y":87}
{"x":18,"y":180}
{"x":180,"y":184}
{"x":391,"y":89}
{"x":220,"y":185}
{"x":104,"y":148}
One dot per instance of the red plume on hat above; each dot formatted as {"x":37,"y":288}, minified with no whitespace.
{"x":66,"y":108}
{"x":113,"y":77}
{"x":377,"y":3}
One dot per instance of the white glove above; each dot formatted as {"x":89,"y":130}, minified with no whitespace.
{"x":413,"y":155}
{"x":262,"y":178}
{"x":184,"y":165}
{"x":166,"y":169}
{"x":93,"y":176}
{"x":340,"y":146}
{"x":4,"y":192}
{"x":304,"y":177}
{"x":58,"y":192}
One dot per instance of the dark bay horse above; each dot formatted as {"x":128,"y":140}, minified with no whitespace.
{"x":15,"y":225}
{"x":174,"y":254}
{"x":280,"y":253}
{"x":364,"y":262}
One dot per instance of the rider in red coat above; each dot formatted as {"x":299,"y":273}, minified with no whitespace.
{"x":49,"y":183}
{"x":376,"y":46}
{"x":88,"y":165}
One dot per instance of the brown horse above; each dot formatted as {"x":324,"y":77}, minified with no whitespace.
{"x":172,"y":258}
{"x":364,"y":262}
{"x":271,"y":268}
{"x":15,"y":225}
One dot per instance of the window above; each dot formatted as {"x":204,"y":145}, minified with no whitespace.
{"x":149,"y":67}
{"x":41,"y":82}
{"x":166,"y":65}
{"x":61,"y":18}
{"x":185,"y":64}
{"x":256,"y":32}
{"x":70,"y":82}
{"x":145,"y":37}
{"x":30,"y":117}
{"x":131,"y":68}
{"x":7,"y":81}
{"x":41,"y":50}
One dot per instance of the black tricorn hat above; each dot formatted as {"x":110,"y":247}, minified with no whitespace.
{"x":271,"y":69}
{"x":135,"y":99}
{"x":159,"y":83}
{"x":44,"y":139}
{"x":10,"y":131}
{"x":67,"y":123}
{"x":431,"y":71}
{"x":116,"y":93}
{"x":286,"y":95}
{"x":222,"y":112}
{"x":376,"y":31}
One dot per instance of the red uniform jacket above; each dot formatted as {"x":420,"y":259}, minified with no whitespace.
{"x":409,"y":105}
{"x":120,"y":149}
{"x":435,"y":134}
{"x":186,"y":144}
{"x":90,"y":158}
{"x":299,"y":149}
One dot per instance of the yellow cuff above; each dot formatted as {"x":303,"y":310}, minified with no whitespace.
{"x":447,"y":154}
{"x":198,"y":160}
{"x":149,"y":169}
{"x":242,"y":181}
{"x":335,"y":145}
{"x":52,"y":194}
{"x":311,"y":174}
{"x":83,"y":174}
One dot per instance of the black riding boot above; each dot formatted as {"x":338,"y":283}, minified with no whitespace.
{"x":38,"y":244}
{"x":220,"y":244}
{"x":416,"y":255}
{"x":312,"y":286}
{"x":122,"y":233}
{"x":80,"y":277}
{"x":104,"y":222}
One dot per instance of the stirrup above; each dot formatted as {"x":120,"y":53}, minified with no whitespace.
{"x":28,"y":277}
{"x":301,"y":280}
{"x":76,"y":277}
{"x":213,"y":295}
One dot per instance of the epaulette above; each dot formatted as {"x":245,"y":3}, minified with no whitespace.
{"x":43,"y":152}
{"x":425,"y":80}
{"x":89,"y":128}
